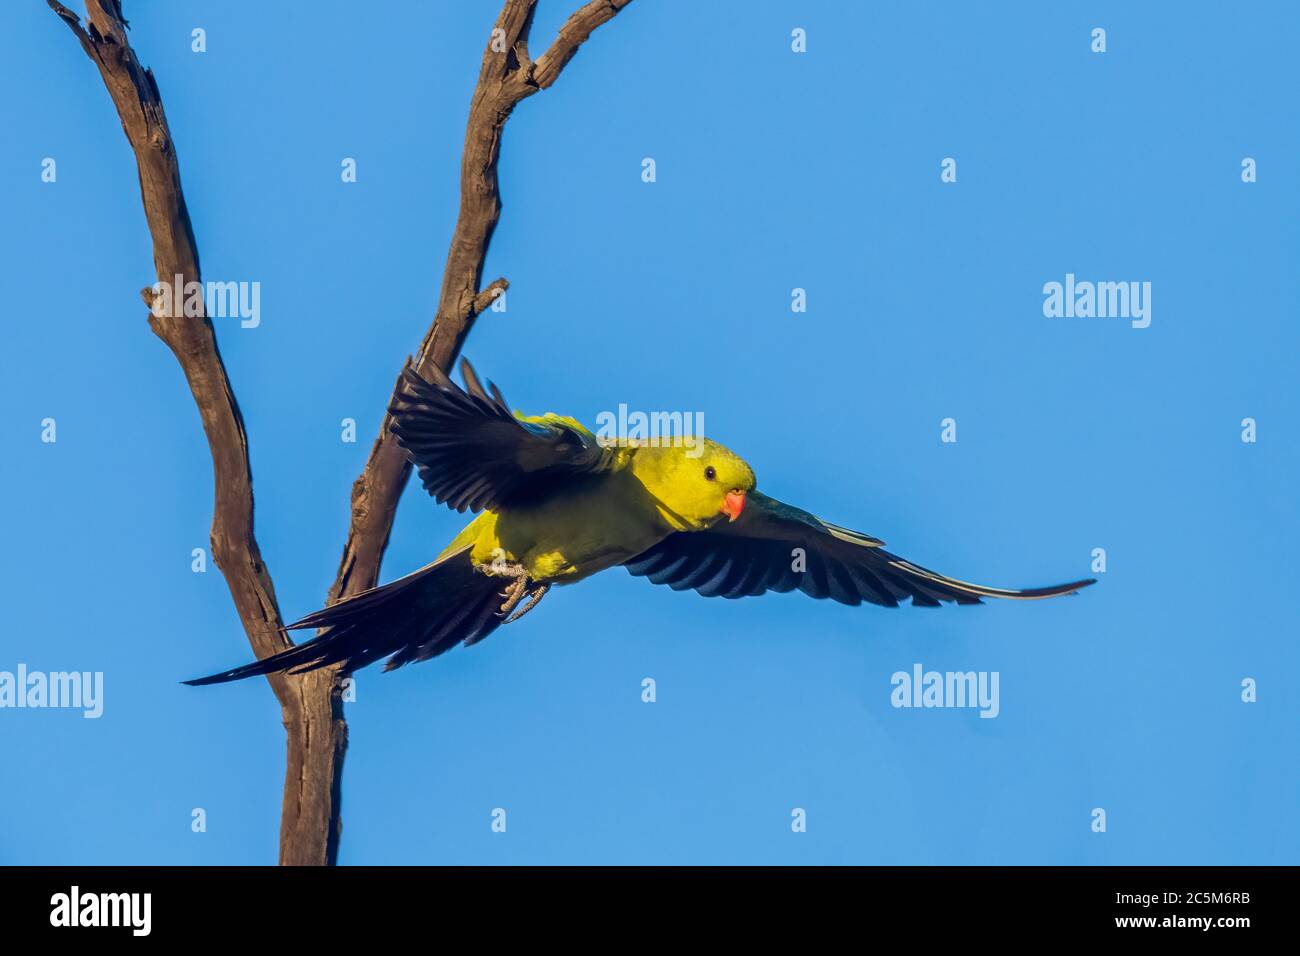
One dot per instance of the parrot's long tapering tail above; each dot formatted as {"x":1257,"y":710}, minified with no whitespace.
{"x":413,"y":618}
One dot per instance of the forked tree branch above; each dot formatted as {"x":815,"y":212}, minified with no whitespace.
{"x":508,"y":75}
{"x":310,"y":704}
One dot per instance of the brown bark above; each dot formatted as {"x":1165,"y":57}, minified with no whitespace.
{"x":507,"y":76}
{"x":311,"y":703}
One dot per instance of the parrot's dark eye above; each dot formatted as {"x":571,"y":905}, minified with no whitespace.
{"x":710,"y":473}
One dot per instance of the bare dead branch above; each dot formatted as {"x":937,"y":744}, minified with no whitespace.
{"x":483,"y":301}
{"x":310,"y":704}
{"x":573,"y":34}
{"x":507,"y":76}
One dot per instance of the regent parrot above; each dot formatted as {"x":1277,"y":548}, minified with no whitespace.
{"x":555,"y":505}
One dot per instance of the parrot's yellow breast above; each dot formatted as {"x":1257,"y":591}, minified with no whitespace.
{"x":596,"y":524}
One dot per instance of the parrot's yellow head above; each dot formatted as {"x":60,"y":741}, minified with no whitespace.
{"x":694,"y":486}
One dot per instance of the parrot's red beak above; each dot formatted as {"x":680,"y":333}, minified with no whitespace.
{"x":733,"y":504}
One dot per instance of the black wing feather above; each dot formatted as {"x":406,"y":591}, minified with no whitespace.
{"x":473,"y":453}
{"x":758,"y":553}
{"x":413,"y":618}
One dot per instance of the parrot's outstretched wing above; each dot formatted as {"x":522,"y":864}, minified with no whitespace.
{"x":473,"y":453}
{"x":773,"y":546}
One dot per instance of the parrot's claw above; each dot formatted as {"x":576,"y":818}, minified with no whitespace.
{"x":516,"y":590}
{"x":513,"y":594}
{"x":534,"y":596}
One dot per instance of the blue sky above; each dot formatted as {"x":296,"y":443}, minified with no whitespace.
{"x":775,"y":171}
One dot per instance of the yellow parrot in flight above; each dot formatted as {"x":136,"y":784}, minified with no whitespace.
{"x":557,"y":505}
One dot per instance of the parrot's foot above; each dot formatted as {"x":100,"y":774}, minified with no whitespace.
{"x":535,"y":595}
{"x":516,"y":590}
{"x":513,"y":594}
